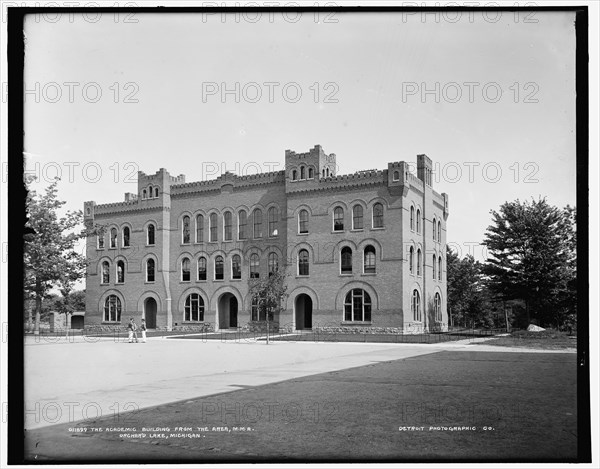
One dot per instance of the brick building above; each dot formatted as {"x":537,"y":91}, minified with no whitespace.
{"x":364,"y":250}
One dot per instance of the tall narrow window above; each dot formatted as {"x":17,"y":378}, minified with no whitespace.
{"x":273,"y":263}
{"x":112,"y":309}
{"x":418,"y":221}
{"x":273,"y":221}
{"x":294,"y":175}
{"x":242,"y":225}
{"x":357,"y":217}
{"x":412,"y":218}
{"x":357,"y":306}
{"x":185,"y":269}
{"x":440,"y":268}
{"x":199,"y":228}
{"x":156,"y":192}
{"x":303,"y":221}
{"x":370,"y":260}
{"x":254,"y":266}
{"x":437,"y":305}
{"x":416,"y":305}
{"x":323,"y":172}
{"x":212,"y":222}
{"x":396,"y":176}
{"x":439,"y":231}
{"x":185,"y":230}
{"x":219,"y":274}
{"x":418,"y":262}
{"x":194,"y":308}
{"x":150,"y":267}
{"x":126,"y":234}
{"x":378,"y":215}
{"x":327,"y":172}
{"x":434,"y":266}
{"x":254,"y":309}
{"x":101,"y":240}
{"x":311,"y":173}
{"x":236,"y":267}
{"x":120,"y":272}
{"x":227,"y":231}
{"x":338,"y":219}
{"x":202,"y":268}
{"x":105,"y":272}
{"x":113,"y":238}
{"x":149,"y":192}
{"x":144,"y":194}
{"x":258,"y":223}
{"x":301,"y":172}
{"x":303,"y":262}
{"x":411,"y":255}
{"x":434,"y":231}
{"x":346,"y":260}
{"x":150,"y":234}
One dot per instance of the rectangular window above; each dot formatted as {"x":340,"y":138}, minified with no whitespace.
{"x":257,"y":224}
{"x":227,"y":222}
{"x":243,"y":225}
{"x":213,"y":227}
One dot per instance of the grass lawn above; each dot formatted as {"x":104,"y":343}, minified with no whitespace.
{"x":549,"y":339}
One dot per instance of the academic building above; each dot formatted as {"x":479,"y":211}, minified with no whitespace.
{"x":363,"y":251}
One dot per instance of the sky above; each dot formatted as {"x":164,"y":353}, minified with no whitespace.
{"x":490,"y":98}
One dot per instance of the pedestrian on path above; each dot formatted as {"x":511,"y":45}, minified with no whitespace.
{"x":143,"y":329}
{"x":132,"y":328}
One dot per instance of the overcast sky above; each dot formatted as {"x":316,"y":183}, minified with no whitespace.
{"x":490,"y":99}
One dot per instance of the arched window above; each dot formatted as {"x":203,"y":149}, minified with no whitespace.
{"x":227,"y":230}
{"x":112,"y":309}
{"x":327,"y":172}
{"x":439,"y":231}
{"x":303,"y":268}
{"x":378,"y":215}
{"x":418,"y":221}
{"x":120,"y":272}
{"x":149,"y":192}
{"x":156,"y":192}
{"x":273,"y":221}
{"x":257,"y":223}
{"x":194,"y":308}
{"x":150,"y":269}
{"x":416,"y":305}
{"x":357,"y":306}
{"x":311,"y":173}
{"x":434,"y":266}
{"x":323,"y":172}
{"x":273,"y":263}
{"x":243,"y":225}
{"x":219,"y":274}
{"x":144,"y":194}
{"x":126,"y":235}
{"x":185,"y":269}
{"x":396,"y":176}
{"x":346,"y":260}
{"x":440,"y":268}
{"x":113,"y":238}
{"x":357,"y":217}
{"x":303,"y":221}
{"x":185,"y":230}
{"x":150,"y":234}
{"x":202,"y":268}
{"x":434,"y":228}
{"x":105,"y":272}
{"x":212,"y":226}
{"x":437,"y":307}
{"x":294,"y":175}
{"x":338,"y":219}
{"x":254,"y":266}
{"x":236,"y":267}
{"x":301,"y":172}
{"x":412,"y":218}
{"x":411,"y":256}
{"x":101,"y":240}
{"x":418,"y":262}
{"x":369,"y":263}
{"x":199,"y":228}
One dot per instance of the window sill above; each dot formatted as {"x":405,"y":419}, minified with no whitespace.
{"x":149,"y":282}
{"x":185,"y":281}
{"x":218,"y":280}
{"x":189,"y":323}
{"x":368,"y":274}
{"x":303,"y":234}
{"x":337,"y":232}
{"x":346,"y":274}
{"x":113,"y":323}
{"x":125,"y":247}
{"x":355,"y":230}
{"x":378,"y":228}
{"x":201,"y":280}
{"x":104,"y":284}
{"x":357,"y":323}
{"x":236,"y":279}
{"x":302,"y":276}
{"x":150,"y":245}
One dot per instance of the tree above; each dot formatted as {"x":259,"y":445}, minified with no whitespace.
{"x":268,"y":293}
{"x":50,"y":258}
{"x":532,"y":247}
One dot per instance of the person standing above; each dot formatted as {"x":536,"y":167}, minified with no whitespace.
{"x":143,"y":329}
{"x":132,"y":328}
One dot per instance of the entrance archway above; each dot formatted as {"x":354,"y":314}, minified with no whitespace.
{"x":303,"y":308}
{"x":150,"y":313}
{"x":228,"y":311}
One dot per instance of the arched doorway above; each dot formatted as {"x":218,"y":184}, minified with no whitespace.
{"x":303,"y":308}
{"x":150,"y":313}
{"x":228,"y":311}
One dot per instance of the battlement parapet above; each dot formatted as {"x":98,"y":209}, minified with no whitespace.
{"x":229,"y":178}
